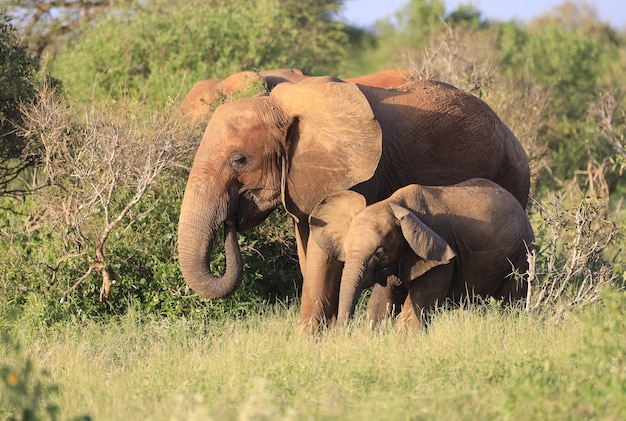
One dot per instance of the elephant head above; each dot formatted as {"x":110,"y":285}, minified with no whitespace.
{"x":382,"y":239}
{"x":294,"y":145}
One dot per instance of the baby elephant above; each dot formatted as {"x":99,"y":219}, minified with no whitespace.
{"x":442,"y":242}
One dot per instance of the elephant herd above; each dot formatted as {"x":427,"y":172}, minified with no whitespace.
{"x":413,"y":187}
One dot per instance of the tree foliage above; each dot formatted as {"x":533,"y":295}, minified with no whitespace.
{"x":47,"y":23}
{"x":18,"y":71}
{"x":159,"y":51}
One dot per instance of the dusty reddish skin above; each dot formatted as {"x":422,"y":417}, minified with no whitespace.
{"x":304,"y":141}
{"x":204,"y":95}
{"x":443,"y":242}
{"x":392,"y":78}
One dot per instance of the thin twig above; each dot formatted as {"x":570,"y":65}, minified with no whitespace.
{"x":76,"y":284}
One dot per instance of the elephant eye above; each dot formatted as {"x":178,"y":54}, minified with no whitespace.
{"x":382,"y":258}
{"x":238,"y":161}
{"x":381,"y":252}
{"x":383,"y":272}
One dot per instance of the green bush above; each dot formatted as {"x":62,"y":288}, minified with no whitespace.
{"x":576,"y":60}
{"x":161,"y":51}
{"x":18,"y":72}
{"x":36,"y":266}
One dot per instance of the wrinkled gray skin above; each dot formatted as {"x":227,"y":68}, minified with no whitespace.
{"x":304,"y":141}
{"x":442,"y":242}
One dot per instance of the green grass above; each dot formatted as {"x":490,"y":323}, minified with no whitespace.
{"x":478,"y":363}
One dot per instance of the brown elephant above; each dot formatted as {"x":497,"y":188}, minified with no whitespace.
{"x":392,"y":78}
{"x":205,"y":95}
{"x":442,"y":242}
{"x":302,"y":142}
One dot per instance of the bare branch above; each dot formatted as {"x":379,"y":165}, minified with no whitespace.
{"x":101,"y":168}
{"x":573,"y":267}
{"x":76,"y":284}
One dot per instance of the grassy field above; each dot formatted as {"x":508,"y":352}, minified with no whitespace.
{"x":477,"y":363}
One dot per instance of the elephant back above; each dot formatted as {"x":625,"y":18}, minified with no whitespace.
{"x":436,"y":134}
{"x":485,"y":225}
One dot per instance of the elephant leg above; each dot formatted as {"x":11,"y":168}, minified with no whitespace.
{"x":515,"y":288}
{"x":512,"y":290}
{"x":386,"y":301}
{"x":425,"y":294}
{"x":409,"y":320}
{"x":320,"y":288}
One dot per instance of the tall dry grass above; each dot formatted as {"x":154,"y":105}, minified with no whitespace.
{"x":476,"y":362}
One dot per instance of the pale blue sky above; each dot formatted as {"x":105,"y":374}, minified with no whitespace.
{"x":365,"y":12}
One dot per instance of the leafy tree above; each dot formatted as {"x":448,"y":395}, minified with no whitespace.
{"x":46,"y":24}
{"x":466,"y":15}
{"x":398,"y":39}
{"x":160,"y":51}
{"x":571,"y":63}
{"x":18,"y":71}
{"x":418,"y":19}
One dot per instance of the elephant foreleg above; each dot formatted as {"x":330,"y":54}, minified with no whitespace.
{"x":320,"y":288}
{"x":425,"y":294}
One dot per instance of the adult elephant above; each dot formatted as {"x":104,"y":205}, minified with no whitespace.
{"x":442,"y":242}
{"x":391,"y":78}
{"x":305,"y":141}
{"x":205,"y":95}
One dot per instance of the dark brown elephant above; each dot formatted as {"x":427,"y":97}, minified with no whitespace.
{"x":305,"y":141}
{"x":442,"y":242}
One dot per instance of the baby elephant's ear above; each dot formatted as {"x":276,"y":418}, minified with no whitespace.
{"x":330,"y":220}
{"x":425,"y":242}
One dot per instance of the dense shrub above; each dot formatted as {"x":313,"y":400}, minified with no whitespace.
{"x":144,"y":260}
{"x":161,"y":51}
{"x":18,"y":71}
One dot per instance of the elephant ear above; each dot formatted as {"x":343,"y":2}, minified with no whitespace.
{"x":330,"y":220}
{"x":429,"y":248}
{"x":334,"y":141}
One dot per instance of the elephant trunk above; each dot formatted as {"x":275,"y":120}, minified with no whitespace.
{"x":197,"y":230}
{"x":353,"y":280}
